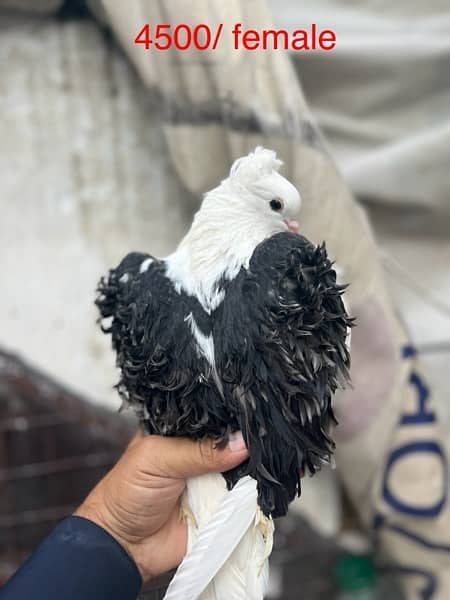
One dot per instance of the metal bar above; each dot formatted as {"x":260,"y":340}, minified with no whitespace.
{"x":50,"y":467}
{"x":30,"y":517}
{"x":24,"y":423}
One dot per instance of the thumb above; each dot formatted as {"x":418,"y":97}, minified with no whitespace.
{"x":181,"y":458}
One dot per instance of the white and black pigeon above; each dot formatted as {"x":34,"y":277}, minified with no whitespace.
{"x":242,"y":328}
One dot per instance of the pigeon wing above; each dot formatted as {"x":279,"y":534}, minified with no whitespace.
{"x":280,"y":350}
{"x":163,"y":374}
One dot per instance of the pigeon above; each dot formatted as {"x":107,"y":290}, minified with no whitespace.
{"x":242,"y":329}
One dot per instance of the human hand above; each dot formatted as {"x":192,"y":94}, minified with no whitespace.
{"x":138,"y":501}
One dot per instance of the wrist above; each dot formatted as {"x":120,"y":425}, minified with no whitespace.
{"x":92,"y":512}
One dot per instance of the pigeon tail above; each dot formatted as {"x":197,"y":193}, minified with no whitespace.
{"x":229,"y":541}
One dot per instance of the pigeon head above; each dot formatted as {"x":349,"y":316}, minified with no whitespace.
{"x":259,"y":190}
{"x":253,"y":203}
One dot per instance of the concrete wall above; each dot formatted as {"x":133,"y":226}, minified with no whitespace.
{"x":83,"y":180}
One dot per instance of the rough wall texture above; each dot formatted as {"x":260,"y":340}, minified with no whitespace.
{"x":83,"y":180}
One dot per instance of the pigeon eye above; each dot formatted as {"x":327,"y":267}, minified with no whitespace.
{"x":276,"y":204}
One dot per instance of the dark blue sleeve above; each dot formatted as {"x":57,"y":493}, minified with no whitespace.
{"x":77,"y":561}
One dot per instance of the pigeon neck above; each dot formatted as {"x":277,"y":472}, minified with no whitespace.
{"x":217,"y":246}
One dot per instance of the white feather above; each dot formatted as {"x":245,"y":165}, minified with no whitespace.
{"x":223,"y":528}
{"x":205,"y":343}
{"x":145,"y":265}
{"x":205,"y":347}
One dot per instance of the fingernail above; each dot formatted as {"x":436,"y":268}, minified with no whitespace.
{"x":236,"y":442}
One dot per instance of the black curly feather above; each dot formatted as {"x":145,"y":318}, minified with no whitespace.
{"x":279,"y":340}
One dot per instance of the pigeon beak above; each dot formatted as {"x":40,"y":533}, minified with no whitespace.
{"x":292,"y":225}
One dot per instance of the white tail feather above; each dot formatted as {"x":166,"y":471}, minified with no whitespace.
{"x":227,"y":548}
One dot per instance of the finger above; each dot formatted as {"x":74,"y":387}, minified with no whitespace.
{"x":183,"y":458}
